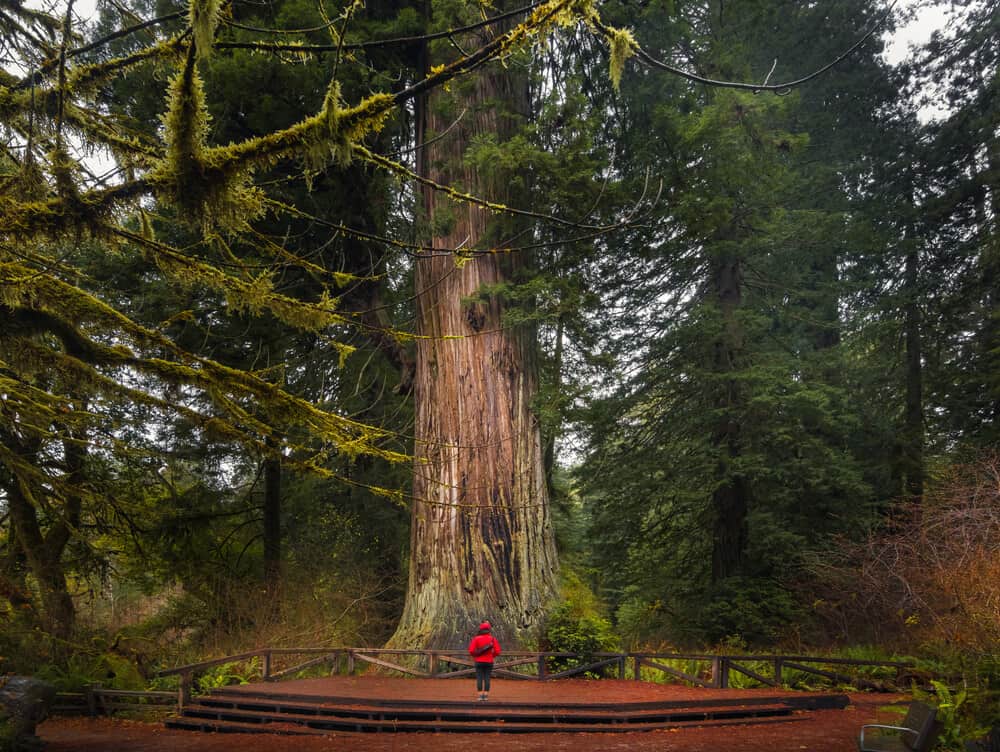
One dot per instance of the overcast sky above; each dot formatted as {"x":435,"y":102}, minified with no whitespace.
{"x":914,"y":33}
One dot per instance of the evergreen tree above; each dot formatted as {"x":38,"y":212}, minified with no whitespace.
{"x":729,"y":450}
{"x":958,"y":225}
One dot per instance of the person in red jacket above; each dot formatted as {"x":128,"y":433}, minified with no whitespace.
{"x":484,"y":648}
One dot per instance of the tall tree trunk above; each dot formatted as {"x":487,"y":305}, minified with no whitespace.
{"x":550,"y":437}
{"x":913,"y":419}
{"x":42,"y":542}
{"x":43,"y":554}
{"x":482,"y":545}
{"x":730,"y":500}
{"x":272,"y":522}
{"x":13,"y":572}
{"x":989,"y":263}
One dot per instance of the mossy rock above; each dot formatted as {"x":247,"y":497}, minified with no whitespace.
{"x":24,"y":703}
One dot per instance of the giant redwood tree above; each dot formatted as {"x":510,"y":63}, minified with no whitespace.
{"x":481,"y":537}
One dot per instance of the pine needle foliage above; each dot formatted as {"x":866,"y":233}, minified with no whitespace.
{"x":211,"y":186}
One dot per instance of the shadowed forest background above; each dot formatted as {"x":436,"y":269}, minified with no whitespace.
{"x":328,"y":324}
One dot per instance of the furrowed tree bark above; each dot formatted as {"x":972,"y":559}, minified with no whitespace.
{"x":13,"y":569}
{"x":482,"y":545}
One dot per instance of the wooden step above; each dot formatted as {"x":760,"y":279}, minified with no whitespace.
{"x":219,"y":707}
{"x":228,"y":727}
{"x":260,"y":726}
{"x":804,"y":702}
{"x":262,"y":709}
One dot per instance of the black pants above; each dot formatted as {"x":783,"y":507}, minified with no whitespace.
{"x":483,"y":671}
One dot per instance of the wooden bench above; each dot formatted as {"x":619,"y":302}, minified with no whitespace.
{"x":918,"y":732}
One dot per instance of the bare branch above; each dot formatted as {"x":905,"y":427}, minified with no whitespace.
{"x":779,"y":89}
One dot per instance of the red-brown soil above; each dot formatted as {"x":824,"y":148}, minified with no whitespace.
{"x":817,"y":731}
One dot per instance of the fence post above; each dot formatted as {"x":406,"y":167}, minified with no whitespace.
{"x":350,"y":663}
{"x":720,"y":672}
{"x":638,"y":668}
{"x":777,"y":670}
{"x":90,"y":695}
{"x":267,"y":665}
{"x":184,"y":691}
{"x":724,"y":673}
{"x":541,"y":666}
{"x":621,"y":667}
{"x":432,"y":663}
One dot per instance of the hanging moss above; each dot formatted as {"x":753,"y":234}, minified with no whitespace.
{"x":29,"y":182}
{"x":328,"y":142}
{"x":64,"y":169}
{"x":231,"y":390}
{"x":82,"y":80}
{"x":203,"y":15}
{"x":623,"y":46}
{"x":209,"y":196}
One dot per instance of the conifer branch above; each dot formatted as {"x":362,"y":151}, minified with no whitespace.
{"x":105,"y":40}
{"x":468,"y":198}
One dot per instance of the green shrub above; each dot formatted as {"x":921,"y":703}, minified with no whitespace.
{"x":960,"y":714}
{"x":640,"y":622}
{"x":577,"y":624}
{"x":110,"y":670}
{"x":11,"y":742}
{"x":751,"y":610}
{"x":228,"y":674}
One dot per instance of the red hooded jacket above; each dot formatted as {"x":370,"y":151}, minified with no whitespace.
{"x":480,"y":641}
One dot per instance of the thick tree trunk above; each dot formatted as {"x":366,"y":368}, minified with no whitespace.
{"x":42,"y":541}
{"x":41,"y":549}
{"x":482,"y":544}
{"x":43,"y":554}
{"x":13,"y":571}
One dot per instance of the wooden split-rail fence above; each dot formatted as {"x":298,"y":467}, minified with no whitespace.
{"x":713,"y":671}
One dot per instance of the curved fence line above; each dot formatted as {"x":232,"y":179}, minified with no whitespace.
{"x":699,"y":669}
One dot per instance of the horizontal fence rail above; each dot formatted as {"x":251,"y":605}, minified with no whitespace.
{"x":95,"y":700}
{"x":704,"y":670}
